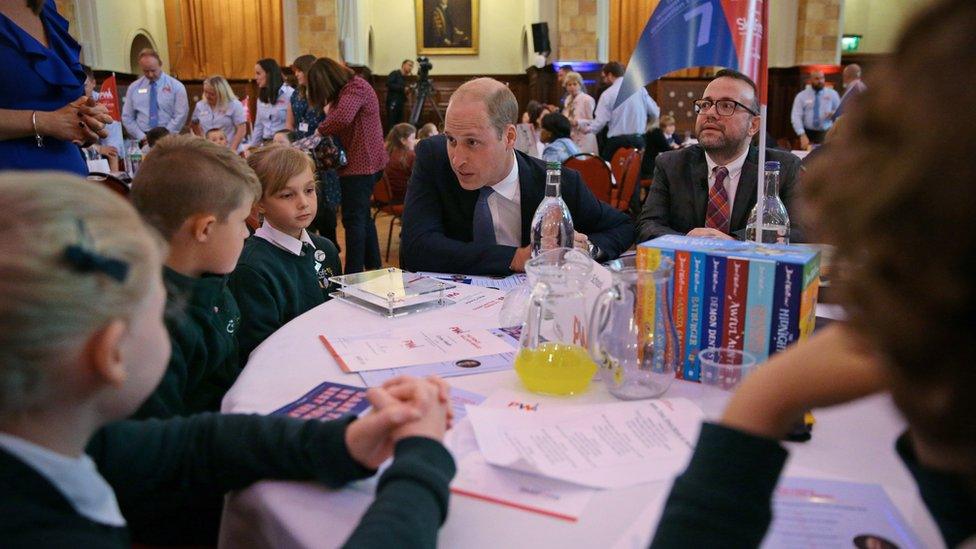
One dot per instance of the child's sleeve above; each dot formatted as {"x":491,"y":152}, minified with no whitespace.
{"x":259,"y":310}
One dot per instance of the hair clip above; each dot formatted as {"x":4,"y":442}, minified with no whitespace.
{"x":86,"y":260}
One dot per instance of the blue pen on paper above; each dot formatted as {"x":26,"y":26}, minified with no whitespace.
{"x":327,"y":401}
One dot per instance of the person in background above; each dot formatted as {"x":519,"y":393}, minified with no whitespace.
{"x":903,"y":303}
{"x":282,"y":137}
{"x":110,"y":146}
{"x":396,"y":92}
{"x":564,"y":70}
{"x":219,"y":108}
{"x":45,"y":114}
{"x":217,"y":136}
{"x":658,"y":139}
{"x":274,"y":97}
{"x":352,"y":115}
{"x":556,"y":135}
{"x":812,"y":110}
{"x":427,"y":130}
{"x":626,"y":123}
{"x":579,"y":106}
{"x":154,"y":100}
{"x":400,"y":142}
{"x":152,"y":136}
{"x":853,"y":87}
{"x":81,"y":317}
{"x":303,"y":121}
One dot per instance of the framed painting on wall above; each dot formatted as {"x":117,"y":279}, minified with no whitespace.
{"x":446,"y":27}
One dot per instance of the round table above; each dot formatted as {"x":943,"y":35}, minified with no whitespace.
{"x":854,"y":442}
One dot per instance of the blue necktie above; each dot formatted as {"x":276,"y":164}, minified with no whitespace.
{"x":483,"y":228}
{"x":153,"y":106}
{"x":816,"y":110}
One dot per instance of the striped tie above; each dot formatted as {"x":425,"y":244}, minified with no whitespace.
{"x":717,"y":213}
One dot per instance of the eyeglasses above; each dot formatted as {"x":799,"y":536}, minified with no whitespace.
{"x":724,"y":107}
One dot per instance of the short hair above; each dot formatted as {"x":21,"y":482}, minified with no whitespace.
{"x":225,"y":94}
{"x":566,"y":68}
{"x":273,"y":81}
{"x":614,"y":68}
{"x":556,"y":124}
{"x":184,"y":176}
{"x":908,"y":246}
{"x":276,"y":164}
{"x":325,"y":78}
{"x":405,"y":61}
{"x":48,"y":309}
{"x":427,"y":130}
{"x":285,"y":132}
{"x":666,"y":120}
{"x":500,"y":103}
{"x":736,"y":75}
{"x":149,"y":52}
{"x":155,"y":134}
{"x":214,"y":130}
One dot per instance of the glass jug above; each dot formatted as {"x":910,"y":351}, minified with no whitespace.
{"x":632,"y":336}
{"x":552,"y":357}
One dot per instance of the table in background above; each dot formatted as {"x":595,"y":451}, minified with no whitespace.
{"x":854,"y":442}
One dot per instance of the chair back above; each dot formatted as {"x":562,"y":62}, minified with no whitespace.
{"x":595,"y":174}
{"x":381,"y":194}
{"x":630,"y":163}
{"x":110,"y":182}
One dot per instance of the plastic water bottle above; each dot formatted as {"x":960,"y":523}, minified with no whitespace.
{"x":776,"y":220}
{"x":134,"y":154}
{"x":552,"y":224}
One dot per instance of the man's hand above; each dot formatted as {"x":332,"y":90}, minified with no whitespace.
{"x":705,"y":232}
{"x":831,"y":367}
{"x":804,"y":142}
{"x":581,"y":242}
{"x":519,"y":259}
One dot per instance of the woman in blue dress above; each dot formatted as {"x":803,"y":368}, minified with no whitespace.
{"x":302,"y":121}
{"x":44,"y":114}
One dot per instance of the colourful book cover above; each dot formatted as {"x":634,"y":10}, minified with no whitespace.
{"x":736,"y":284}
{"x":662,"y":353}
{"x":696,"y":291}
{"x":680,"y":309}
{"x":647,"y":258}
{"x":785,"y":325}
{"x":759,"y":305}
{"x":714,"y":301}
{"x":808,"y":300}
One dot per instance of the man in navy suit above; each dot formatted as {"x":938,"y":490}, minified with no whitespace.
{"x":472,"y":196}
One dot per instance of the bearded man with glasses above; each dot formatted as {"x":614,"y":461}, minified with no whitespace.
{"x":709,"y":189}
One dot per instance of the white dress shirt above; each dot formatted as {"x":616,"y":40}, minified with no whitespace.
{"x":506,"y":208}
{"x":77,"y":478}
{"x":732,"y":181}
{"x":284,"y":241}
{"x":170,"y":97}
{"x":630,"y":118}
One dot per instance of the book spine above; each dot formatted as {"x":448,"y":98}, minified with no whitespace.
{"x":648,"y":258}
{"x":736,"y":284}
{"x":759,"y":305}
{"x":680,"y":281}
{"x":785,"y":325}
{"x":808,"y":300}
{"x":696,"y":291}
{"x":714,"y":301}
{"x":662,"y":354}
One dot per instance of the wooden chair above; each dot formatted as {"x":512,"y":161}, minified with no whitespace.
{"x":110,"y":182}
{"x":384,"y":203}
{"x":626,"y":165}
{"x":595,"y":174}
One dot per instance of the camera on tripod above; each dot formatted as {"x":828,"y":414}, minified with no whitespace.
{"x":423,"y":68}
{"x":425,"y":92}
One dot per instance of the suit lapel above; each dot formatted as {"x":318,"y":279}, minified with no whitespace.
{"x":745,"y":194}
{"x":698,"y":169}
{"x":530,"y":194}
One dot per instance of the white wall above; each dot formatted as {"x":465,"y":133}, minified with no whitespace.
{"x":878,"y":21}
{"x":107,"y":28}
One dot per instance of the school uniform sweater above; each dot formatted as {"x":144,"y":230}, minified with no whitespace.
{"x":724,"y":497}
{"x":212,"y":454}
{"x":202,"y":318}
{"x":273,"y":286}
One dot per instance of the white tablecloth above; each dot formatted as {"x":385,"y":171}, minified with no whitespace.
{"x":853,"y":442}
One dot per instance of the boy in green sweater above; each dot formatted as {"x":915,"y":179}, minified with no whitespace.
{"x":83,"y":344}
{"x":198,"y":196}
{"x":284,"y":270}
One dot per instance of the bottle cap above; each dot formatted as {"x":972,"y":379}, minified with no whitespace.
{"x":553,"y":165}
{"x":772,"y":166}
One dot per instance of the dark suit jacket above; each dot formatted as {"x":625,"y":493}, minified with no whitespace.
{"x":438,"y":216}
{"x":678,"y":196}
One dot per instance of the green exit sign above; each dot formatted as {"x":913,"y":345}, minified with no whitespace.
{"x":849,"y":43}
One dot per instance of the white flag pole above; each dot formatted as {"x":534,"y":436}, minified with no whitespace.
{"x":761,"y":175}
{"x":750,"y":62}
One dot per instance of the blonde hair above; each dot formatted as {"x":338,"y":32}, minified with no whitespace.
{"x":427,"y":130}
{"x":48,"y":308}
{"x":276,"y":164}
{"x":186,"y":175}
{"x":225,"y":94}
{"x":574,"y":76}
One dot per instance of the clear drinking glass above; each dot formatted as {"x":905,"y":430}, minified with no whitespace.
{"x":721,"y":372}
{"x":632,"y":336}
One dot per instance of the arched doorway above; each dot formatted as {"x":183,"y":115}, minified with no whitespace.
{"x":139,"y":43}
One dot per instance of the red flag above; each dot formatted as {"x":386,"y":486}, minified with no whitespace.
{"x":109,"y":97}
{"x":748,"y":19}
